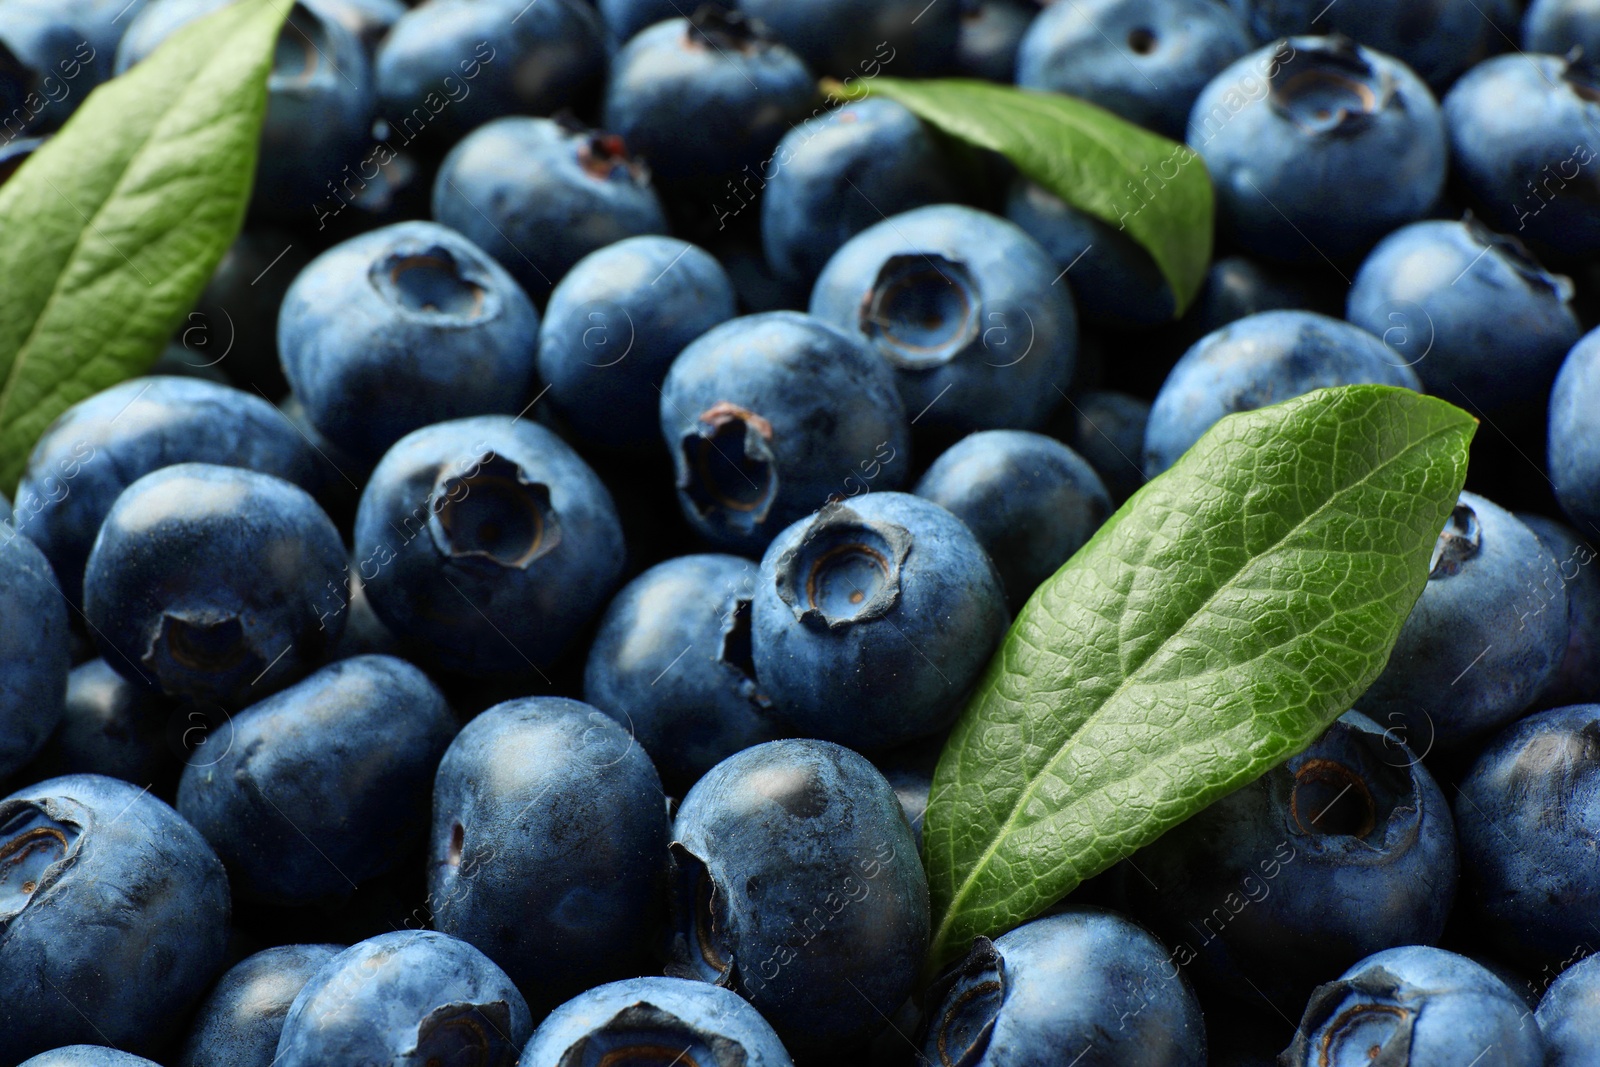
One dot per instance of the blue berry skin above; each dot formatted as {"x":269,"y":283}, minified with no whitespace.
{"x":1237,"y":286}
{"x":1574,"y":435}
{"x":1477,"y":317}
{"x":1317,"y":148}
{"x":1490,"y":628}
{"x":117,"y":728}
{"x":1029,"y":499}
{"x":100,"y":23}
{"x":321,"y":98}
{"x":35,"y":650}
{"x":15,"y":153}
{"x":549,"y":846}
{"x":1438,"y":39}
{"x":841,"y":38}
{"x":625,"y":18}
{"x":242,"y":1018}
{"x":839,"y":173}
{"x":403,"y":327}
{"x":794,"y":860}
{"x":449,"y":66}
{"x":538,"y":195}
{"x":1145,"y":60}
{"x":1527,"y":813}
{"x":643,"y":1020}
{"x":699,"y":100}
{"x":1520,"y":131}
{"x":1556,"y":27}
{"x":991,"y":32}
{"x":324,"y":785}
{"x":671,"y":663}
{"x":613,"y":327}
{"x":100,"y":446}
{"x":1085,"y":983}
{"x":1569,"y":1016}
{"x":1577,"y":679}
{"x":1416,"y":1006}
{"x":206,"y":583}
{"x":1256,"y":361}
{"x":87,"y":1056}
{"x":111,"y":902}
{"x":1346,"y":849}
{"x":958,"y":302}
{"x":486,"y":544}
{"x":1107,"y":428}
{"x":369,"y":21}
{"x":411,"y":996}
{"x":769,"y":416}
{"x":873,"y":618}
{"x":1116,"y":283}
{"x":50,"y":66}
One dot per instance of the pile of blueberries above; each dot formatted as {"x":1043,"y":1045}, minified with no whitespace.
{"x":517,"y":619}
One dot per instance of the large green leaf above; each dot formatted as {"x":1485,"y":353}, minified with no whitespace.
{"x":109,"y":232}
{"x":1215,"y":626}
{"x":1155,"y":189}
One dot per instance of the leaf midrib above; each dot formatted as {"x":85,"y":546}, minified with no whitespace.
{"x":57,"y":290}
{"x":1028,"y":792}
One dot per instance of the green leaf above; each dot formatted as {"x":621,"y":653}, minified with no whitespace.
{"x":1156,"y":189}
{"x":1211,"y":629}
{"x":109,"y":232}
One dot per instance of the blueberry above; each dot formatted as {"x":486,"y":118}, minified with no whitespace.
{"x":1489,"y":629}
{"x":15,"y":153}
{"x":991,"y":32}
{"x":615,"y":324}
{"x":1415,"y":1007}
{"x":99,"y":446}
{"x":539,"y":195}
{"x":1470,"y":310}
{"x":1528,"y":812}
{"x":403,"y":327}
{"x":114,"y":914}
{"x":117,"y":728}
{"x":625,"y":18}
{"x":449,"y":66}
{"x":647,"y":1020}
{"x":1086,"y":986}
{"x":1520,"y":127}
{"x":1346,"y":849}
{"x":1569,"y":1016}
{"x":99,"y":23}
{"x":768,"y":416}
{"x":34,"y":651}
{"x":242,"y":1018}
{"x":1107,"y":429}
{"x":671,"y":662}
{"x":549,"y":845}
{"x":1256,"y":361}
{"x":798,"y":887}
{"x":1029,"y":499}
{"x":839,"y":173}
{"x":320,"y":100}
{"x":1574,"y":436}
{"x":207,"y":583}
{"x":958,"y":302}
{"x":1317,"y":148}
{"x":47,"y":67}
{"x":369,"y":21}
{"x":1436,"y":38}
{"x":87,"y":1056}
{"x":1577,"y":678}
{"x":1237,"y":286}
{"x":702,"y":98}
{"x":324,"y":785}
{"x":842,"y":38}
{"x":486,"y":544}
{"x":873,"y":618}
{"x":411,"y":997}
{"x":1115,"y":281}
{"x":1145,"y":60}
{"x":1557,"y":27}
